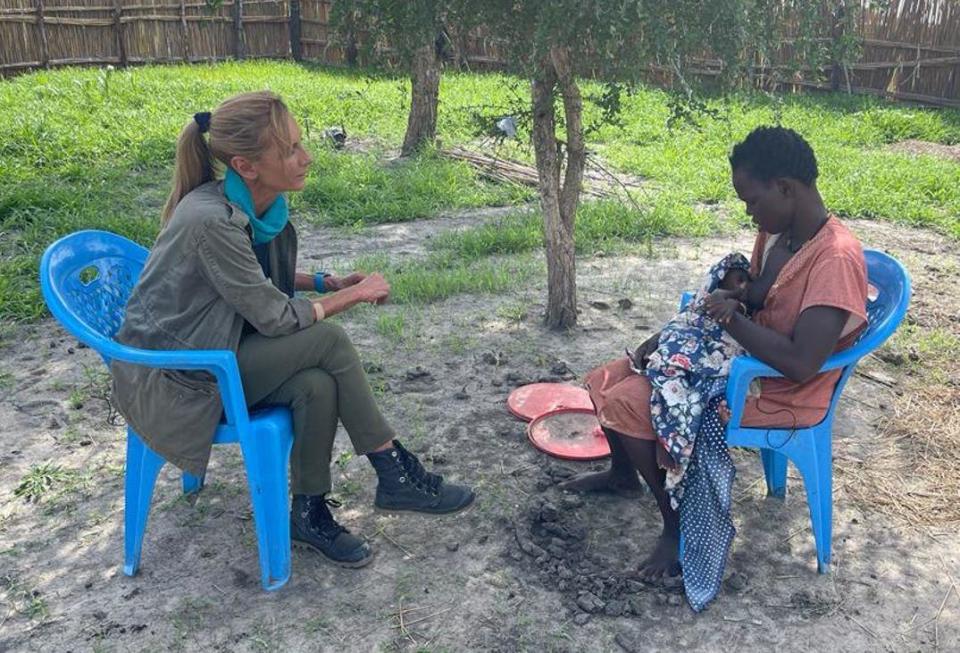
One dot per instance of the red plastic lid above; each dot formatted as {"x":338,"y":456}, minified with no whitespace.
{"x":535,"y":399}
{"x":570,"y":433}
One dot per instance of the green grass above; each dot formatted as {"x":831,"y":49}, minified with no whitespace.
{"x":442,"y":275}
{"x":601,"y":225}
{"x":349,"y":189}
{"x":87,"y":148}
{"x":859,"y":176}
{"x":391,"y":326}
{"x":42,"y":479}
{"x":928,"y":352}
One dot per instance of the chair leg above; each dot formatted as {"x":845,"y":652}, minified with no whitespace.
{"x":192,"y":484}
{"x":143,"y":466}
{"x":816,"y":467}
{"x":266,"y":455}
{"x":775,"y":471}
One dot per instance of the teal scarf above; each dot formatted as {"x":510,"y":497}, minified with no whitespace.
{"x":266,"y":226}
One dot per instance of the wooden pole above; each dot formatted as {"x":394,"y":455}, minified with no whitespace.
{"x":184,"y":43}
{"x":118,"y":31}
{"x":44,"y":45}
{"x":238,"y":28}
{"x":296,"y":45}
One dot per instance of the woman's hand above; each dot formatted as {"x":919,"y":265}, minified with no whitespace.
{"x":642,"y":353}
{"x":373,"y":288}
{"x":333,"y":283}
{"x":720,"y":306}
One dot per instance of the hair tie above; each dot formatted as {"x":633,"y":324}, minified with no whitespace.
{"x":203,"y":121}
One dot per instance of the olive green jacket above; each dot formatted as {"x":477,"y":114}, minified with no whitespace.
{"x":201,"y":282}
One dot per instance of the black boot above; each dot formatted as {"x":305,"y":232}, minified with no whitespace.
{"x":405,"y":485}
{"x":313,"y":527}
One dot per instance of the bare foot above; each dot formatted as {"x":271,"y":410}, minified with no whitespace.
{"x":664,"y":559}
{"x":603,"y":482}
{"x":723,"y":411}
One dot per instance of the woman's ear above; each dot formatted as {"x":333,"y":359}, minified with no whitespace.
{"x":244,"y":167}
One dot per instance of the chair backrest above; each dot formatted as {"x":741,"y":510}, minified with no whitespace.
{"x":86,"y":279}
{"x":885,"y":310}
{"x":887,"y":303}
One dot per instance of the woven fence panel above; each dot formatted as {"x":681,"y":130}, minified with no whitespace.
{"x":152,"y":30}
{"x":912,"y":48}
{"x":19,"y":42}
{"x":266,"y":28}
{"x":317,"y":38}
{"x":80,"y":30}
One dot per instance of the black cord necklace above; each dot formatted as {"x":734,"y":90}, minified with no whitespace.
{"x":794,"y":250}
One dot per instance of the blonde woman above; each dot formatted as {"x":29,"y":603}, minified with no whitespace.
{"x":221,"y":275}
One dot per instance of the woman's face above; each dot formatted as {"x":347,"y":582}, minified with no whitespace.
{"x":768,"y":203}
{"x":282,"y":168}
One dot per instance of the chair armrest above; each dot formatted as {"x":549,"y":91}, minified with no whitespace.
{"x":744,"y":369}
{"x":222,"y":363}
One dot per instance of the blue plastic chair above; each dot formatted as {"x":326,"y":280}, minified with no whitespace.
{"x":810,"y":449}
{"x":86,"y":279}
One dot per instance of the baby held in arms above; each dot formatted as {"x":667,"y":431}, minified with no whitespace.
{"x":689,"y":367}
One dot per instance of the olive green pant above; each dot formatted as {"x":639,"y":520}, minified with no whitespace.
{"x":318,"y":374}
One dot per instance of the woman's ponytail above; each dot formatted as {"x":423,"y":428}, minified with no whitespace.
{"x":193,"y":167}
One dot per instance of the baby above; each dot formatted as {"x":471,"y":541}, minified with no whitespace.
{"x":690,"y":366}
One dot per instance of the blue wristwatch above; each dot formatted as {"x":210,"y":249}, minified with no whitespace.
{"x":318,"y":281}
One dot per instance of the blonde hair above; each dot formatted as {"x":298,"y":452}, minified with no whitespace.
{"x":244,"y":125}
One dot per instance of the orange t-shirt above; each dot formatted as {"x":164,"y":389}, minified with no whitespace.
{"x":828,"y":270}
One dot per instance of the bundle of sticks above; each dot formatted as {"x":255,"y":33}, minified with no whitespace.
{"x":597,"y":181}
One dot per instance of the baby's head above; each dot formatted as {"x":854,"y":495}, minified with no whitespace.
{"x":735,"y":279}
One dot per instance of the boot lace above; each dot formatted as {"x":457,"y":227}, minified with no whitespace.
{"x":420,"y":477}
{"x":322,"y":519}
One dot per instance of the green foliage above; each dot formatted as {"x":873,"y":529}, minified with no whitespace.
{"x":402,"y":25}
{"x":619,"y":40}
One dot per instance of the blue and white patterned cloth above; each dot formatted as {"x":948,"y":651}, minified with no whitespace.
{"x":688,"y":378}
{"x":706,"y":527}
{"x":687,"y":371}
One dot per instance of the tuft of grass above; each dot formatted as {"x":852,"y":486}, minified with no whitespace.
{"x":41,"y":479}
{"x":58,"y":489}
{"x":513,"y":312}
{"x":25,"y":601}
{"x":391,"y":326}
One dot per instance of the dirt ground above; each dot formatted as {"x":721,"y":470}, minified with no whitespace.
{"x":526,"y":567}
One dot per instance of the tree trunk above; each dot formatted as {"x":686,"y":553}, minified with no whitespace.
{"x":424,"y":94}
{"x":576,"y":151}
{"x":557,"y":202}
